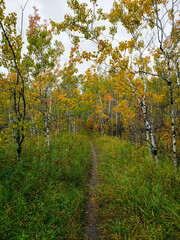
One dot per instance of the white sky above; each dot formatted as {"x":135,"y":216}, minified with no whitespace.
{"x":55,"y":10}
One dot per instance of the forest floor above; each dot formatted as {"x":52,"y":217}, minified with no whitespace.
{"x":107,"y":189}
{"x":91,"y":229}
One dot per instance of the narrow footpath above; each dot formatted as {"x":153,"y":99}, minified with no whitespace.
{"x":91,"y":229}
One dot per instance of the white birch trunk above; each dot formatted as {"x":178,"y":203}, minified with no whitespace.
{"x":170,"y":60}
{"x":177,"y":74}
{"x":102,"y":123}
{"x":149,"y":134}
{"x":116,"y":122}
{"x":173,"y":128}
{"x":48,"y":124}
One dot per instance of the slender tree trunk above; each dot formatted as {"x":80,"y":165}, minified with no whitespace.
{"x":48,"y":123}
{"x":48,"y":135}
{"x":170,"y":61}
{"x":102,"y":123}
{"x":111,"y":123}
{"x":10,"y":121}
{"x":109,"y":118}
{"x":58,"y":123}
{"x":19,"y":100}
{"x":116,"y":123}
{"x":56,"y":130}
{"x":173,"y":126}
{"x":149,"y":134}
{"x":177,"y":73}
{"x":148,"y":127}
{"x":69,"y":126}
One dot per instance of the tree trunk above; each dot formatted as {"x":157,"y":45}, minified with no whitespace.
{"x":173,"y":126}
{"x":116,"y":123}
{"x":102,"y":123}
{"x":149,"y":134}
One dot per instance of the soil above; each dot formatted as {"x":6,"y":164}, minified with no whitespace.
{"x":91,"y":228}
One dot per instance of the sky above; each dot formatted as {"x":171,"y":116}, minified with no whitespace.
{"x":55,"y":10}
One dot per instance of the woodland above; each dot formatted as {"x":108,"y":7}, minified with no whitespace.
{"x":125,"y":107}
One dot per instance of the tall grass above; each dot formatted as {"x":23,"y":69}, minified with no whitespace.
{"x":43,"y":197}
{"x":136,"y":199}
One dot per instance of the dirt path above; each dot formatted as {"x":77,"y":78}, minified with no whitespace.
{"x":91,"y":230}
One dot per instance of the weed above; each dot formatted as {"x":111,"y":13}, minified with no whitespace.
{"x":137,"y":199}
{"x":43,"y":196}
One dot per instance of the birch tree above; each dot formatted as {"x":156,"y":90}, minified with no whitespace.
{"x":42,"y":61}
{"x":11,"y":46}
{"x":167,"y":55}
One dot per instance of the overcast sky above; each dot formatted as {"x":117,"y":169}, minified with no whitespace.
{"x":55,"y":10}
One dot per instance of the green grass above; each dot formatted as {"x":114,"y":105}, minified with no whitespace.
{"x":136,"y":199}
{"x":43,"y":197}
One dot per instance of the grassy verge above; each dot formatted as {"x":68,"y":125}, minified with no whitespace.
{"x":44,"y":196}
{"x":136,"y":199}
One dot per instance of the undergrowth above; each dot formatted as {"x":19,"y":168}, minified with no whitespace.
{"x":43,"y":197}
{"x":136,"y":199}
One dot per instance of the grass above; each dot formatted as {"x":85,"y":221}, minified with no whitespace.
{"x":136,"y":199}
{"x":43,"y":197}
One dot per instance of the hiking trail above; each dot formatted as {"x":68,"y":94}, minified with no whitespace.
{"x":91,"y":229}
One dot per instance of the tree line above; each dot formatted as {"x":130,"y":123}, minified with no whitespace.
{"x":130,"y":91}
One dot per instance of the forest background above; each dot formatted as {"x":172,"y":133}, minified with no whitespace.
{"x":131,"y":89}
